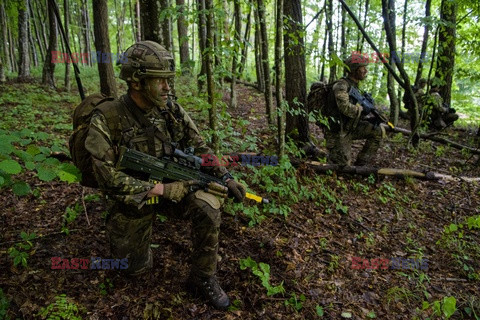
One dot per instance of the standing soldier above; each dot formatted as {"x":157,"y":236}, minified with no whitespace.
{"x":145,"y":119}
{"x":346,"y":119}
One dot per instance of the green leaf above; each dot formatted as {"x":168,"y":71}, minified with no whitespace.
{"x":10,"y":166}
{"x":29,"y":165}
{"x":2,"y":181}
{"x":453,"y":227}
{"x":319,"y":310}
{"x":346,"y":315}
{"x":33,"y":150}
{"x":69,"y":173}
{"x":21,"y":188}
{"x":371,"y":315}
{"x":40,"y":157}
{"x":45,"y":150}
{"x":45,"y":173}
{"x":449,"y":306}
{"x":5,"y":147}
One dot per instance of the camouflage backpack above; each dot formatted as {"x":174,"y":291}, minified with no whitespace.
{"x":317,"y":99}
{"x":76,"y":144}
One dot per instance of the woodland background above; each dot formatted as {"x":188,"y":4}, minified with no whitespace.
{"x":244,"y":69}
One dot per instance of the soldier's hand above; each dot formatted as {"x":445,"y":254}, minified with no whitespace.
{"x":175,"y":191}
{"x":237,"y":190}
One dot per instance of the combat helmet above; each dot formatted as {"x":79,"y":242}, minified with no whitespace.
{"x":355,"y":61}
{"x":147,"y":59}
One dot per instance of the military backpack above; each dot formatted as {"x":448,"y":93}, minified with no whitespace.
{"x":76,"y":144}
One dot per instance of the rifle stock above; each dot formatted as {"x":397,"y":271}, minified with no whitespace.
{"x":181,"y":170}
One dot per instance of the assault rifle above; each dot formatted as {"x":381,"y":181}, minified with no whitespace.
{"x":182,"y":166}
{"x":366,"y":100}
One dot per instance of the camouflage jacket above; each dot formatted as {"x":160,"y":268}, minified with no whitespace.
{"x":345,"y":114}
{"x":113,"y":126}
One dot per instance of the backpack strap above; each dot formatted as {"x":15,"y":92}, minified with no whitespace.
{"x":150,"y":129}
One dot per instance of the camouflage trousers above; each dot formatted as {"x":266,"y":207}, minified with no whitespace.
{"x":339,"y":144}
{"x":130,"y":233}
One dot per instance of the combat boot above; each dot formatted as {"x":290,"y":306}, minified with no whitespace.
{"x":210,"y":289}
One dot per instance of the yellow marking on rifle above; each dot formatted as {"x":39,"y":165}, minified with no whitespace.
{"x":390,"y":124}
{"x":256,"y":198}
{"x":156,"y":199}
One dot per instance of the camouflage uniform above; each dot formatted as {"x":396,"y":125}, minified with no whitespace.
{"x":346,"y":125}
{"x":440,"y":115}
{"x":129,"y":222}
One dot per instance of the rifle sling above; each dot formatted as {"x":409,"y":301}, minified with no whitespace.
{"x":150,"y":129}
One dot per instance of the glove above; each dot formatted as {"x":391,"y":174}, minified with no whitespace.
{"x":237,"y":190}
{"x":175,"y":191}
{"x":366,"y":110}
{"x":451,"y":110}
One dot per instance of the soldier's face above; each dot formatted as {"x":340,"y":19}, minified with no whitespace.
{"x":361,"y":73}
{"x":158,"y":88}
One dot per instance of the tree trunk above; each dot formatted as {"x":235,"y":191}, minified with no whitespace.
{"x":428,"y":4}
{"x":138,"y":21}
{"x":246,"y":41}
{"x":212,"y":112}
{"x":150,"y":19}
{"x":102,"y":44}
{"x":295,"y":77}
{"x":390,"y":82}
{"x":86,"y":26}
{"x":4,"y":27}
{"x":362,"y":41}
{"x":202,"y":39}
{"x":236,"y":47}
{"x":331,"y":50}
{"x":446,"y":49}
{"x":34,"y":20}
{"x":43,"y":19}
{"x":182,"y":28}
{"x":166,"y":27}
{"x":24,"y":60}
{"x":265,"y":62}
{"x":278,"y":79}
{"x":48,"y":77}
{"x":67,"y":43}
{"x":258,"y":52}
{"x":33,"y":49}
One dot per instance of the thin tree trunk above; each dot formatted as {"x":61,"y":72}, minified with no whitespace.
{"x":166,"y":24}
{"x":212,"y":112}
{"x":331,"y":49}
{"x":325,"y":39}
{"x":246,"y":41}
{"x":4,"y":27}
{"x":278,"y":79}
{"x":24,"y":60}
{"x":150,"y":19}
{"x":86,"y":26}
{"x":236,"y":47}
{"x":102,"y":44}
{"x":428,"y":4}
{"x":49,"y":67}
{"x":40,"y":43}
{"x":362,"y":41}
{"x":446,"y":49}
{"x":404,"y":28}
{"x":258,"y":52}
{"x":182,"y":28}
{"x":390,"y":83}
{"x":295,"y":77}
{"x":265,"y":62}
{"x":43,"y":20}
{"x":138,"y":21}
{"x":33,"y":49}
{"x":67,"y":43}
{"x":202,"y":39}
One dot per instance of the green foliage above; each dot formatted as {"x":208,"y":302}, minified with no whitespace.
{"x":105,"y":287}
{"x":459,"y":240}
{"x":69,"y":217}
{"x":23,"y":151}
{"x":19,"y":252}
{"x":262,"y":271}
{"x":387,"y":192}
{"x":62,"y":308}
{"x":295,"y":302}
{"x":319,"y":310}
{"x":399,"y":294}
{"x":4,"y":304}
{"x":442,"y":309}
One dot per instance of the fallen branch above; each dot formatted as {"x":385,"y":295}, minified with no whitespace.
{"x":438,"y":139}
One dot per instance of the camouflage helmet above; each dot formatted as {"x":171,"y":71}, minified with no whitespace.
{"x":147,"y":59}
{"x":355,"y":61}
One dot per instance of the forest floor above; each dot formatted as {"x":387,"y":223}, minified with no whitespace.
{"x":311,"y":237}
